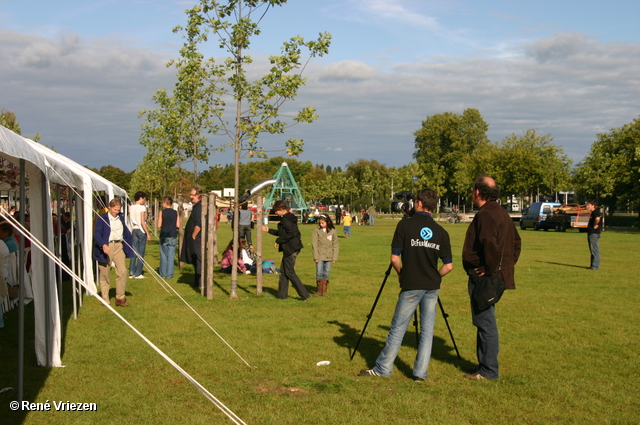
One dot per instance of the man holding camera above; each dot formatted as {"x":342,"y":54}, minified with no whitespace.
{"x":491,"y":247}
{"x":420,"y":242}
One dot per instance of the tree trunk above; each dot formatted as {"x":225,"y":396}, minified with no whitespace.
{"x":259,"y":246}
{"x":210,"y":243}
{"x":233,"y":293}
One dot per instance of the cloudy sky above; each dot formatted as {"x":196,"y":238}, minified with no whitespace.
{"x":78,"y":72}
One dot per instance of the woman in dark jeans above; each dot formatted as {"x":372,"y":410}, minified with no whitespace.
{"x":168,"y":223}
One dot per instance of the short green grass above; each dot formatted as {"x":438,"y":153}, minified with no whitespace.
{"x":569,"y":345}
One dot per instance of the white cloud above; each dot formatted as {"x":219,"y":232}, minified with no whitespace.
{"x":84,"y":95}
{"x":348,"y":70}
{"x":397,"y":11}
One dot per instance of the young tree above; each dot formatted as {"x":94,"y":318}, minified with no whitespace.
{"x":155,"y":177}
{"x":255,"y":104}
{"x":177,"y":130}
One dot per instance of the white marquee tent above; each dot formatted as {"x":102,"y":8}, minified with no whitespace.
{"x":45,"y":167}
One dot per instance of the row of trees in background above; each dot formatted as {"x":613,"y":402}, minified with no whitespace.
{"x":451,"y":149}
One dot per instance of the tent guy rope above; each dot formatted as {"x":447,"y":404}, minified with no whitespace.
{"x":156,"y":276}
{"x":92,"y":291}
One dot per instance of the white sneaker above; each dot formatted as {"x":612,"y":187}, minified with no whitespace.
{"x":139,"y":277}
{"x":368,"y":372}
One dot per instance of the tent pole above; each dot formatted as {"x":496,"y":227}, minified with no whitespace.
{"x":21,"y":277}
{"x":47,"y":277}
{"x":72,"y":251}
{"x":59,"y":274}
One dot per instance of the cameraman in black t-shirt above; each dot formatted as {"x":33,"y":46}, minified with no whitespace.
{"x":420,"y":242}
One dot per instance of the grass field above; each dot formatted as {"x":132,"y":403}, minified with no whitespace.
{"x":569,"y":345}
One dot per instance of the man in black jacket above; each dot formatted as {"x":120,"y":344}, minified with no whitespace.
{"x":290,"y":244}
{"x":192,"y":243}
{"x":491,"y":247}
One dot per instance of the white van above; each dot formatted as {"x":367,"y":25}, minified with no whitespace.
{"x":536,"y":215}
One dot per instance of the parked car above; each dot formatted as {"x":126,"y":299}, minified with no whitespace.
{"x":536,"y":216}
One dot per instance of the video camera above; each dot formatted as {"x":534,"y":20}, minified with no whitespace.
{"x":404,"y":203}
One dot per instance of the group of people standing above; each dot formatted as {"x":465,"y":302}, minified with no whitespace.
{"x":114,"y":243}
{"x":324,"y":243}
{"x":421,"y":255}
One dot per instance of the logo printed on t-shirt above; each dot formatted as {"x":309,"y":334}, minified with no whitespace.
{"x":426,"y":233}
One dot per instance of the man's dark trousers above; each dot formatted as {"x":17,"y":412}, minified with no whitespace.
{"x":487,"y":339}
{"x":288,"y":273}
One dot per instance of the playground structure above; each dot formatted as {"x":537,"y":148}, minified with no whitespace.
{"x":286,"y":188}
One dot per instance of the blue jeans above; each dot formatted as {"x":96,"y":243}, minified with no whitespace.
{"x":347,"y":231}
{"x":167,"y":256}
{"x":408,"y":301}
{"x":487,"y":338}
{"x":371,"y":219}
{"x":594,"y":249}
{"x":322,"y":269}
{"x":139,"y":245}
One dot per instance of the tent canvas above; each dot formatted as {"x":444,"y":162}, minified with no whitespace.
{"x":45,"y":167}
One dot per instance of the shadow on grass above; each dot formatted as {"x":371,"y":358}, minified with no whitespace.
{"x":562,"y":264}
{"x":188,"y":278}
{"x":370,"y":348}
{"x":225,"y":288}
{"x":274,"y":291}
{"x":34,"y":376}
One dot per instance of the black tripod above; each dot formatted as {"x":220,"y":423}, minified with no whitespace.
{"x":415,"y":318}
